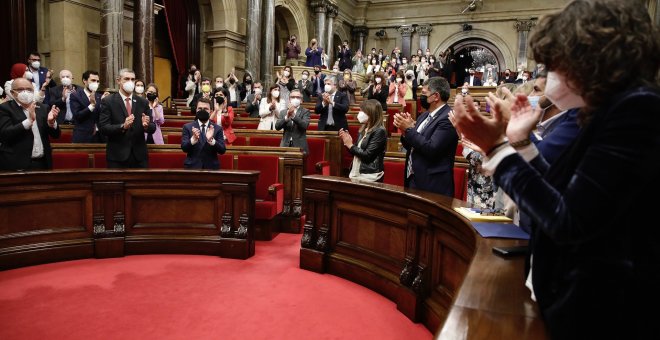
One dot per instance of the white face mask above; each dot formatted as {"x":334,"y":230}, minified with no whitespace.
{"x":295,"y":102}
{"x":533,"y":101}
{"x":28,"y":75}
{"x":257,"y":91}
{"x":129,"y":86}
{"x":335,"y":70}
{"x":66,"y":81}
{"x":275,"y":94}
{"x":524,"y":78}
{"x":304,"y":77}
{"x":93,"y":86}
{"x":218,"y":85}
{"x":378,"y":80}
{"x":398,"y":80}
{"x":404,"y":61}
{"x":139,"y":89}
{"x":464,"y":91}
{"x":557,"y":91}
{"x":35,"y":65}
{"x":327,"y":87}
{"x":1,"y":91}
{"x":286,"y":73}
{"x":362,"y":117}
{"x":25,"y":97}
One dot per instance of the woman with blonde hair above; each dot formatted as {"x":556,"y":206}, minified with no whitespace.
{"x":369,"y":152}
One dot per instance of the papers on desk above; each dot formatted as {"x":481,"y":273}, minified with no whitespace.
{"x":501,"y":230}
{"x":476,"y":215}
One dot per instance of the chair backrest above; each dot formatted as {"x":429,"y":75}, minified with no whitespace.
{"x":269,"y":167}
{"x":174,"y":139}
{"x":459,"y":149}
{"x":239,"y":141}
{"x":175,"y":123}
{"x":240,"y":125}
{"x":315,"y":155}
{"x":70,"y":160}
{"x":226,"y":161}
{"x":265,"y":141}
{"x":65,"y":137}
{"x":166,"y":160}
{"x":393,"y":172}
{"x":460,"y":183}
{"x":100,"y":161}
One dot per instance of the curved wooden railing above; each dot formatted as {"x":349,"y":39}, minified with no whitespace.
{"x":51,"y":216}
{"x":411,"y":247}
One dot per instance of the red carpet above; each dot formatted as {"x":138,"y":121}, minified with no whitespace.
{"x":195,"y":297}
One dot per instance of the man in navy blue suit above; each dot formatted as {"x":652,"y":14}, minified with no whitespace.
{"x":41,"y":76}
{"x":332,"y":106}
{"x":202,"y":139}
{"x":86,"y":107}
{"x":431,"y":143}
{"x":318,"y":81}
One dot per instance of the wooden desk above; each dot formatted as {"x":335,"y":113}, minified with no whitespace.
{"x":50,"y":216}
{"x":411,"y":247}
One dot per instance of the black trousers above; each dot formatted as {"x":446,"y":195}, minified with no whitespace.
{"x":38,"y":164}
{"x":131,"y":163}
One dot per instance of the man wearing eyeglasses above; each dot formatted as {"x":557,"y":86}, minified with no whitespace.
{"x":24,"y":130}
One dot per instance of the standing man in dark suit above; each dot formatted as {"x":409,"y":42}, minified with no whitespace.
{"x":24,"y":130}
{"x":60,"y":96}
{"x":318,"y":81}
{"x":202,"y":139}
{"x":41,"y":76}
{"x":124,"y":119}
{"x":294,"y":121}
{"x":430,"y":144}
{"x":344,"y":56}
{"x":472,"y":79}
{"x":86,"y":106}
{"x":332,"y":105}
{"x":254,"y":100}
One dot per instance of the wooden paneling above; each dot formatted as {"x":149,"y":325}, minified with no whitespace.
{"x":414,"y":249}
{"x":62,"y":215}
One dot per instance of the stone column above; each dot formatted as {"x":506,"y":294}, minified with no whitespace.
{"x":143,"y":40}
{"x":253,"y":39}
{"x":320,"y":8}
{"x":424,"y":31}
{"x":361,"y":33}
{"x":268,"y":42}
{"x":112,"y":41}
{"x":523,"y":27}
{"x":406,"y":38}
{"x":332,"y":14}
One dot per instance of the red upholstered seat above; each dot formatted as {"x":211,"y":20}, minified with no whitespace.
{"x":265,"y":210}
{"x":99,"y":161}
{"x":267,"y":187}
{"x":420,"y":109}
{"x":316,"y":159}
{"x":459,"y":149}
{"x":239,"y":141}
{"x":175,"y":123}
{"x":70,"y":160}
{"x":174,"y":139}
{"x":314,"y":116}
{"x":460,"y":183}
{"x":347,"y":158}
{"x":186,"y":113}
{"x":393,"y":172}
{"x":166,"y":160}
{"x":265,"y":141}
{"x":65,"y":137}
{"x":226,"y":161}
{"x":240,"y":125}
{"x":313,"y":127}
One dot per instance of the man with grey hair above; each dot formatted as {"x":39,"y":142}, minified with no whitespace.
{"x":124,"y":119}
{"x":332,"y":105}
{"x":431,"y":143}
{"x":60,"y":96}
{"x":294,"y":121}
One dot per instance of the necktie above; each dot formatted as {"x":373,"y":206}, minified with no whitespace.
{"x":203,"y":133}
{"x":128,"y":106}
{"x":69,"y":114}
{"x":331,"y":119}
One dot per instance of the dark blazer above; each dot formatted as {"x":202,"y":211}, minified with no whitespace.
{"x":295,"y":130}
{"x":433,"y":153}
{"x":339,"y":111}
{"x":344,"y":57}
{"x":590,"y":244}
{"x":202,"y":155}
{"x":318,"y":85}
{"x":306,"y":88}
{"x":372,"y":154}
{"x":43,"y":72}
{"x":252,"y":109}
{"x":16,"y":142}
{"x":477,"y":81}
{"x":121,"y":143}
{"x":313,"y":57}
{"x":56,"y":99}
{"x":86,"y":121}
{"x":380,"y":96}
{"x":558,"y":136}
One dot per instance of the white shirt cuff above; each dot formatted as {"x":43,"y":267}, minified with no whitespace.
{"x":489,"y":164}
{"x":212,"y":142}
{"x":54,"y":125}
{"x":91,"y":107}
{"x":193,"y":141}
{"x":27,"y":124}
{"x":529,"y":152}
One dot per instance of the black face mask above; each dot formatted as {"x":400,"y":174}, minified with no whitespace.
{"x":317,"y":71}
{"x":408,"y":77}
{"x":151,"y":96}
{"x":248,"y":81}
{"x":425,"y":101}
{"x":231,"y":81}
{"x":220,"y":99}
{"x":202,"y":116}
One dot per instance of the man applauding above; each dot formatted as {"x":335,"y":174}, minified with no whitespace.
{"x":202,"y":139}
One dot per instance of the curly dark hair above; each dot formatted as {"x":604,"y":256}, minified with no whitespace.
{"x":603,"y":47}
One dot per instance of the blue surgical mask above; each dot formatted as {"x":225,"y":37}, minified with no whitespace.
{"x":533,"y":101}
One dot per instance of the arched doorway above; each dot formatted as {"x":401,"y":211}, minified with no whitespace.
{"x":286,"y":26}
{"x":478,"y":54}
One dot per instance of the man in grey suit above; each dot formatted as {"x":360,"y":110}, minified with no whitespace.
{"x":294,"y":121}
